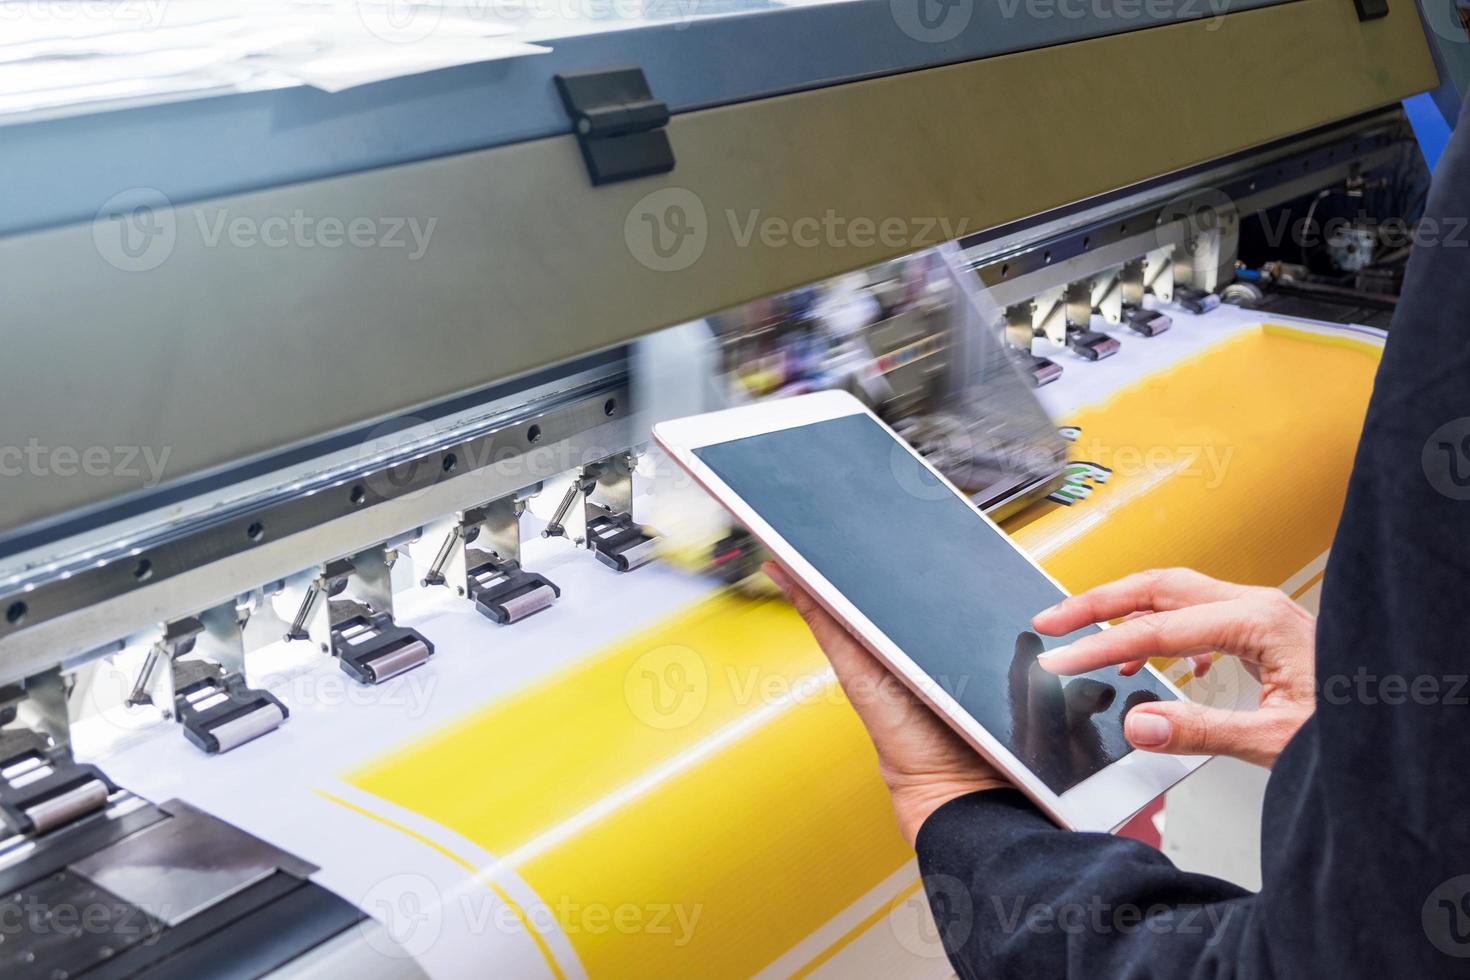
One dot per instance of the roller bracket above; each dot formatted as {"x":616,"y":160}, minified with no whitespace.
{"x":618,"y":541}
{"x":1092,"y":345}
{"x":493,"y":579}
{"x":1148,"y":323}
{"x":195,"y":672}
{"x":347,"y":611}
{"x":1196,"y":301}
{"x":219,"y":711}
{"x":42,"y":788}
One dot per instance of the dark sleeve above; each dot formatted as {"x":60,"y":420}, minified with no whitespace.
{"x":1365,"y":851}
{"x":1015,"y":897}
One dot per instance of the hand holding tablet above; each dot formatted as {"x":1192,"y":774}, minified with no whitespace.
{"x":932,"y":589}
{"x":924,"y":762}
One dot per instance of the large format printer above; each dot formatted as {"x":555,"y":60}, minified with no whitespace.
{"x":323,"y":642}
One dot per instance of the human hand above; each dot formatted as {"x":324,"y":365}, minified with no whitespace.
{"x":921,"y":759}
{"x":1181,"y":613}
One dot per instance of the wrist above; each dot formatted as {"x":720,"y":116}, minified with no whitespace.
{"x":913,"y":805}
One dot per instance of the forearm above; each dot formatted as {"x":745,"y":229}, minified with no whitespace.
{"x":1013,"y":896}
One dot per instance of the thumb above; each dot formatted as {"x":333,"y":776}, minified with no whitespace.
{"x":1180,"y":728}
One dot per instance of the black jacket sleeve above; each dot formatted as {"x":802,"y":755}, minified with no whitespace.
{"x":1366,"y":830}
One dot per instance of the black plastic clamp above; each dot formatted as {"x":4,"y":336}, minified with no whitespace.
{"x":618,"y":541}
{"x":1196,"y":301}
{"x":372,"y":648}
{"x":1149,"y":323}
{"x":506,"y":593}
{"x":1371,"y":9}
{"x":218,"y":711}
{"x":42,"y":788}
{"x":1092,"y":344}
{"x":1040,"y":370}
{"x":619,"y":124}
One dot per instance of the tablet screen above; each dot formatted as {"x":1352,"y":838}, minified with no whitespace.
{"x":944,"y":585}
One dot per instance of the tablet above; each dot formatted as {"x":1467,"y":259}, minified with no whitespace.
{"x":935,"y":590}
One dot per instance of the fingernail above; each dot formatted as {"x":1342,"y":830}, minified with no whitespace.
{"x":1148,"y":729}
{"x":778,"y":575}
{"x":1047,"y":658}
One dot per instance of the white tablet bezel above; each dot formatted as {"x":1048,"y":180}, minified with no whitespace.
{"x":1103,"y":801}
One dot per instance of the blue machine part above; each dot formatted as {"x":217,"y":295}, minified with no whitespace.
{"x":1431,"y":128}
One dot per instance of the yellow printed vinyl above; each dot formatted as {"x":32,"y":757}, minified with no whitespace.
{"x":1234,"y":463}
{"x":697,"y":798}
{"x":704,"y":779}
